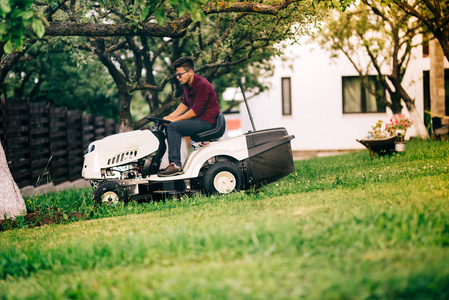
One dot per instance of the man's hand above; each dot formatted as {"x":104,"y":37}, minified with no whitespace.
{"x":187,"y":115}
{"x":169,"y":118}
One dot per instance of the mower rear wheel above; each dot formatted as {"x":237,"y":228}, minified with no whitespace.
{"x":110,"y":192}
{"x":222,"y":177}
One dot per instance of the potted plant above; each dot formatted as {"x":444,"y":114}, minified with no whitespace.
{"x":388,"y":139}
{"x":377,"y":132}
{"x":398,"y":125}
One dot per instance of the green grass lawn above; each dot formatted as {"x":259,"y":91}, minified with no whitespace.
{"x":344,"y":227}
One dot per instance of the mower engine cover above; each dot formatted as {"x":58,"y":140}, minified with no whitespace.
{"x":118,"y":149}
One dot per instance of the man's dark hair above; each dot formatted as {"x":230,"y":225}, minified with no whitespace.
{"x":185,"y":62}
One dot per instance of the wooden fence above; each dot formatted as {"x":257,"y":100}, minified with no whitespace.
{"x":46,"y":144}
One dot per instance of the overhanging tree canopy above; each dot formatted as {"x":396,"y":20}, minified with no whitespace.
{"x":137,"y":40}
{"x":432,"y":14}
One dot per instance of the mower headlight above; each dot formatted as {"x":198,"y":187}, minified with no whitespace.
{"x":90,"y":148}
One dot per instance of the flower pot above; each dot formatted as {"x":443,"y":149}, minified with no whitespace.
{"x":400,"y":135}
{"x":399,"y":147}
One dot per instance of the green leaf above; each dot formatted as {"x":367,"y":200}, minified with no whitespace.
{"x":144,"y":13}
{"x":5,"y":8}
{"x":18,"y":41}
{"x":159,"y":14}
{"x":182,"y":8}
{"x":38,"y":28}
{"x":8,"y":47}
{"x":197,"y":16}
{"x":28,"y":14}
{"x":3,"y":28}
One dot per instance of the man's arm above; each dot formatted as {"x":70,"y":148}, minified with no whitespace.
{"x":182,"y":112}
{"x":182,"y":108}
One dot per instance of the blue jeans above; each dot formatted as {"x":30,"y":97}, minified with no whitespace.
{"x":176,"y":130}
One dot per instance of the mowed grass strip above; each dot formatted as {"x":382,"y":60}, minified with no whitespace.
{"x":377,"y":230}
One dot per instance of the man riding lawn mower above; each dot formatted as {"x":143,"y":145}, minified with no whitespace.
{"x":127,"y":164}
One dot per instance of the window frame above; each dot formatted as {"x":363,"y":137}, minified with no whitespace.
{"x":286,"y":109}
{"x":363,"y":96}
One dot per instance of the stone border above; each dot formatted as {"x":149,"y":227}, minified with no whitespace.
{"x":51,"y":188}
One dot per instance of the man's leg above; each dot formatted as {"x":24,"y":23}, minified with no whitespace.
{"x":176,"y":130}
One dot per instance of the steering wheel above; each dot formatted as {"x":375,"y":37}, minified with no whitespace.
{"x":159,"y":122}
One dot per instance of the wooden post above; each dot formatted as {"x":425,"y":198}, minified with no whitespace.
{"x":40,"y":142}
{"x":437,"y":93}
{"x":16,"y":140}
{"x":2,"y":123}
{"x":88,"y":130}
{"x":67,"y":154}
{"x":30,"y":154}
{"x":50,"y":165}
{"x":99,"y":127}
{"x":5,"y":124}
{"x":75,"y":144}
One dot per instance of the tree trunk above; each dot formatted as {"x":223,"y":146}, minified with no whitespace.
{"x":126,"y":121}
{"x":11,"y":201}
{"x":443,"y":38}
{"x":418,"y":122}
{"x":420,"y":128}
{"x":396,"y":106}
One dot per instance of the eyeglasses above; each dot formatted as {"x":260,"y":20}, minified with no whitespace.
{"x":179,"y":75}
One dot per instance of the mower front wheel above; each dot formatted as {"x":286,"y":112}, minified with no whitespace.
{"x":110,"y":192}
{"x":222,"y":177}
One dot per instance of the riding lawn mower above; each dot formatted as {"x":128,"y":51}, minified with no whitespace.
{"x":124,"y":166}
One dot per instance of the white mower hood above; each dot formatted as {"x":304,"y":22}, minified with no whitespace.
{"x":118,"y":149}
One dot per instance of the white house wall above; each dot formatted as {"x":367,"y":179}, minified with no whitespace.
{"x":317,"y":120}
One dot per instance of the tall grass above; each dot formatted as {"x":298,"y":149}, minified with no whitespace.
{"x":344,"y":227}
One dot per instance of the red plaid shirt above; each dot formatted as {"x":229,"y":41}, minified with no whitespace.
{"x":202,"y":99}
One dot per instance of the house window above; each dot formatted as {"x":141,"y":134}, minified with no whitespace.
{"x":357,"y":99}
{"x":286,"y":96}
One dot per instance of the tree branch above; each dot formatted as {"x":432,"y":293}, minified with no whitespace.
{"x":174,"y":29}
{"x":218,"y":65}
{"x":249,"y":7}
{"x":104,"y":57}
{"x":9,"y":60}
{"x":137,"y":58}
{"x":123,"y":66}
{"x":117,"y":46}
{"x":412,"y":11}
{"x":147,"y":87}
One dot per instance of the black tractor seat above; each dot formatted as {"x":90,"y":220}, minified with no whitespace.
{"x":214,"y":133}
